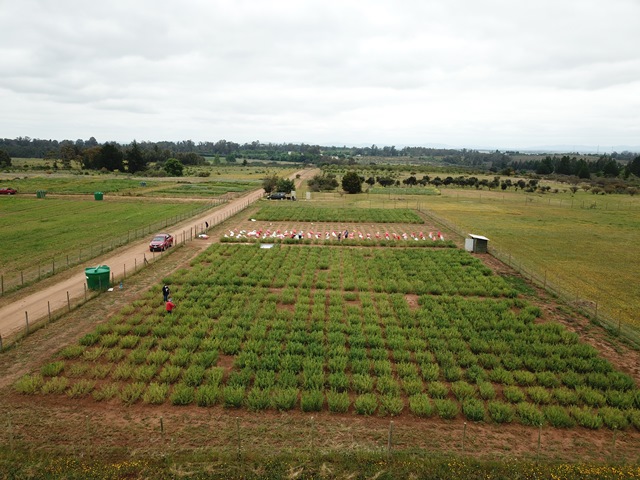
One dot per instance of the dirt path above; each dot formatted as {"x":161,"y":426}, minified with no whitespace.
{"x":29,"y":308}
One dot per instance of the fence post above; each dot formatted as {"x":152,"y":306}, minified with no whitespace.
{"x":464,"y":436}
{"x":124,"y":271}
{"x":85,"y":291}
{"x":26,"y":317}
{"x":390,"y":438}
{"x":539,"y":435}
{"x":53,"y":266}
{"x":0,"y":343}
{"x":2,"y":284}
{"x":49,"y":310}
{"x":68,"y":301}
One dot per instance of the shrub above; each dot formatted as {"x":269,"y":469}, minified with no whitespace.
{"x":55,"y":385}
{"x":311,"y":401}
{"x":558,"y":417}
{"x":387,"y":385}
{"x":193,"y":375}
{"x":362,"y":383}
{"x":390,"y":405}
{"x":89,"y":339}
{"x":29,"y":384}
{"x":157,"y":357}
{"x":105,"y":392}
{"x":76,"y":370}
{"x":420,"y":405}
{"x":634,"y":418}
{"x":214,"y":376}
{"x":591,"y":397}
{"x":129,"y":341}
{"x":475,"y":373}
{"x":463,"y":390}
{"x":473,"y":409}
{"x":486,"y":390}
{"x":501,"y":412}
{"x":412,"y":385}
{"x":182,"y":394}
{"x":547,"y":379}
{"x":618,"y":399}
{"x":258,"y":399}
{"x":587,"y":418}
{"x":365,"y":404}
{"x":208,"y":395}
{"x":338,"y":381}
{"x":613,"y":418}
{"x":500,"y":375}
{"x":52,"y":369}
{"x":285,"y":399}
{"x":430,"y":371}
{"x":156,"y":393}
{"x":338,"y":402}
{"x":72,"y":351}
{"x":529,"y":414}
{"x":437,"y":390}
{"x":446,"y":409}
{"x":123,"y":371}
{"x":115,"y":354}
{"x":100,"y":371}
{"x":513,"y":394}
{"x":539,"y":395}
{"x":131,"y":392}
{"x":524,"y":377}
{"x":180,"y":358}
{"x":144,"y":373}
{"x":233,"y":396}
{"x":170,"y":374}
{"x":565,"y":396}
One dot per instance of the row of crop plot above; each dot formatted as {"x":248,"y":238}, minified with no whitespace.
{"x":409,"y":271}
{"x":357,"y":352}
{"x":303,"y":213}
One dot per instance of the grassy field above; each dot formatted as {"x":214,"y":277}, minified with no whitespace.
{"x":37,"y":230}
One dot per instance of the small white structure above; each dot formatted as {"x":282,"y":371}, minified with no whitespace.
{"x":476,"y":244}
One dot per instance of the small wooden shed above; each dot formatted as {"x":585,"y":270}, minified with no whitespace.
{"x":476,"y":244}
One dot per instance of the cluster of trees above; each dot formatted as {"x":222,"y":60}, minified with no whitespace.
{"x":275,"y":183}
{"x":603,"y":166}
{"x":322,"y":183}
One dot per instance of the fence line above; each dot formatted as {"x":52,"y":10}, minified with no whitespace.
{"x":596,"y":311}
{"x":52,"y":308}
{"x":66,"y":261}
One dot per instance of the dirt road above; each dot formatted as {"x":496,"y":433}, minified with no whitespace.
{"x":31,"y":308}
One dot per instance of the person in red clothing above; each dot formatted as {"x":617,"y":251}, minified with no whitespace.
{"x":170,"y":306}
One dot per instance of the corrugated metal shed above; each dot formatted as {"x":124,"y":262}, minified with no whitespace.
{"x":476,"y":244}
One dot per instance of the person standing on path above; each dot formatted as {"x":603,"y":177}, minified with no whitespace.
{"x":170,"y":306}
{"x":165,"y":293}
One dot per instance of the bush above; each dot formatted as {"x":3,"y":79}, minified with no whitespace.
{"x":473,"y":409}
{"x":420,"y":405}
{"x":338,"y":402}
{"x":446,"y":409}
{"x":501,"y":412}
{"x":144,"y":373}
{"x":412,"y":385}
{"x":529,"y":414}
{"x":233,"y":396}
{"x":486,"y":391}
{"x":463,"y":390}
{"x":365,"y":404}
{"x":182,"y":394}
{"x":29,"y":384}
{"x":391,"y":405}
{"x":52,"y":369}
{"x":285,"y":398}
{"x":618,"y":399}
{"x":131,"y":393}
{"x":156,"y":393}
{"x":81,"y":388}
{"x":193,"y":375}
{"x":105,"y":392}
{"x":513,"y":394}
{"x":437,"y":390}
{"x":55,"y":385}
{"x":170,"y":374}
{"x":208,"y":395}
{"x":539,"y":395}
{"x":362,"y":383}
{"x":591,"y":397}
{"x":587,"y":418}
{"x":387,"y":385}
{"x":430,"y":372}
{"x":565,"y":396}
{"x":558,"y":417}
{"x":311,"y":401}
{"x":258,"y":399}
{"x":613,"y":418}
{"x":72,"y":351}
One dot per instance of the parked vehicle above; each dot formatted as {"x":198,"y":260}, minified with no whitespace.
{"x":277,"y":196}
{"x":8,"y":191}
{"x":160,"y":242}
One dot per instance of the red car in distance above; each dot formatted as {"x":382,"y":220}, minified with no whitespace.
{"x":8,"y":191}
{"x":160,"y":242}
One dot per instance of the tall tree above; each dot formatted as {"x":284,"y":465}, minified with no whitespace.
{"x":173,"y":167}
{"x":135,"y":160}
{"x":5,"y":159}
{"x":351,"y":183}
{"x":110,"y":157}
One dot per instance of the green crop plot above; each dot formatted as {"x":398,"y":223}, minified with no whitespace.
{"x":78,"y":184}
{"x":347,"y":330}
{"x":206,"y":189}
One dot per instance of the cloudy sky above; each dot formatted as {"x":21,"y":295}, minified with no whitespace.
{"x":464,"y":73}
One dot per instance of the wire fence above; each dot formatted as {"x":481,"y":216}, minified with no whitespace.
{"x":67,"y":260}
{"x":599,"y":312}
{"x":39,"y":313}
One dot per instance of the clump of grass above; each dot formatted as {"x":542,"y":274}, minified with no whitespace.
{"x":214,"y":376}
{"x":391,"y":405}
{"x":93,"y":354}
{"x":362,"y":383}
{"x":473,"y":409}
{"x":183,"y":394}
{"x":412,"y":385}
{"x":463,"y":390}
{"x":170,"y":374}
{"x":77,"y":370}
{"x":131,"y":393}
{"x":420,"y":405}
{"x":193,"y":375}
{"x":486,"y":390}
{"x":285,"y":398}
{"x":52,"y":369}
{"x":208,"y":395}
{"x":501,"y":412}
{"x":558,"y":417}
{"x":513,"y":394}
{"x":55,"y":385}
{"x":123,"y":371}
{"x":72,"y":351}
{"x":365,"y":404}
{"x":144,"y":373}
{"x":115,"y":354}
{"x":539,"y":395}
{"x":446,"y":409}
{"x":437,"y":390}
{"x":529,"y":414}
{"x":81,"y":388}
{"x":106,"y":392}
{"x":89,"y":339}
{"x":100,"y":371}
{"x":338,"y":402}
{"x":258,"y":399}
{"x":129,"y":341}
{"x":156,"y":393}
{"x":613,"y":418}
{"x":311,"y":401}
{"x":585,"y":417}
{"x":233,"y":396}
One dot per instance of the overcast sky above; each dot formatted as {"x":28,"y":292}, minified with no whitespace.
{"x":465,"y":73}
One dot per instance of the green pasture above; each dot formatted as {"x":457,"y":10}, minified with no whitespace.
{"x":78,"y":184}
{"x":205,"y":188}
{"x":582,"y":244}
{"x":37,"y":230}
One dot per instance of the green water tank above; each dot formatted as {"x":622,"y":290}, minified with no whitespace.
{"x":98,"y":277}
{"x":98,"y":195}
{"x":41,"y":193}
